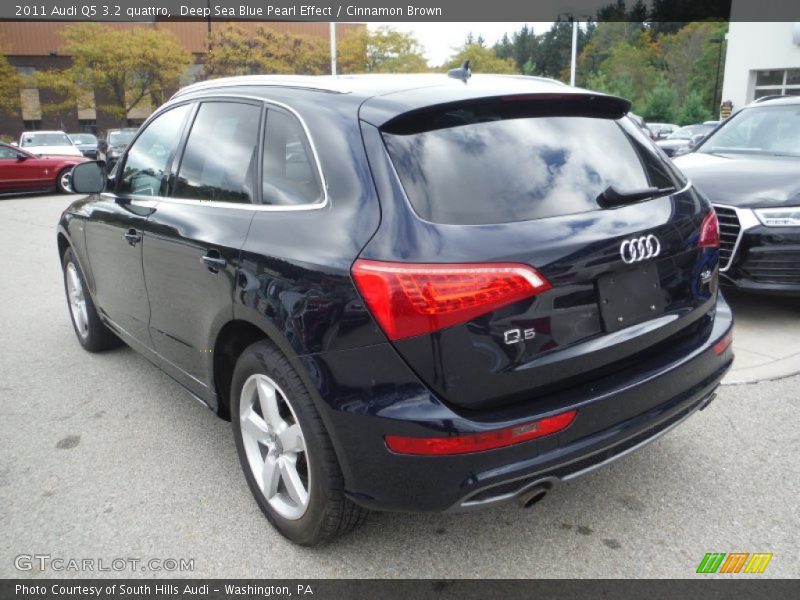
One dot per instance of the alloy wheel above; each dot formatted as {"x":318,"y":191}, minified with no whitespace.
{"x":275,"y":446}
{"x":77,"y":300}
{"x":65,"y":180}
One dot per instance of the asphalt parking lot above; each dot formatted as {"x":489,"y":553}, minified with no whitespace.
{"x":102,"y":456}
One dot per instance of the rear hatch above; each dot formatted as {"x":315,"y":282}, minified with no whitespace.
{"x":531,"y":243}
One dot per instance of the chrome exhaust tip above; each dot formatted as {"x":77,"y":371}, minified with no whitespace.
{"x":532,"y":495}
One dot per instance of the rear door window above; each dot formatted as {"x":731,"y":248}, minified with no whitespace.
{"x":481,"y":168}
{"x":221,"y":155}
{"x":291,"y":176}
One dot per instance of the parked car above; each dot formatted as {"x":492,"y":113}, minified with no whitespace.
{"x":21,"y":171}
{"x":661,"y":130}
{"x":683,"y":138}
{"x":113,"y":143}
{"x":407,"y":293}
{"x":750,"y":169}
{"x":86,"y":143}
{"x":55,"y":143}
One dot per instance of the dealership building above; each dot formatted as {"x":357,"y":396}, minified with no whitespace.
{"x":763,"y":59}
{"x":32,"y":46}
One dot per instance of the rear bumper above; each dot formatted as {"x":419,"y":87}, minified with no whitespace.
{"x":369,"y":392}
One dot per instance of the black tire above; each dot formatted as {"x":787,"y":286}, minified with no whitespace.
{"x":95,"y":336}
{"x":329,"y":513}
{"x":60,"y":185}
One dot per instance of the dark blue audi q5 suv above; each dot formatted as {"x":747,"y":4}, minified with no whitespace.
{"x":408,"y":293}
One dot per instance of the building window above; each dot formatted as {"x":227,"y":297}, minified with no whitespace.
{"x":87,"y":126}
{"x":777,"y":82}
{"x":134,"y":122}
{"x":31,"y":125}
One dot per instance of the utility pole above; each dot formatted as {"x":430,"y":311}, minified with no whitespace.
{"x":574,"y":51}
{"x":333,"y":48}
{"x":714,"y":105}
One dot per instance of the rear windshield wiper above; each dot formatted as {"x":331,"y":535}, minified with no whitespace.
{"x":613,"y":197}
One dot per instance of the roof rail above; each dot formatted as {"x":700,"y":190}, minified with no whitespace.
{"x":319,"y":83}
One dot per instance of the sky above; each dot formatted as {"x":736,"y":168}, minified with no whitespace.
{"x":439,"y":39}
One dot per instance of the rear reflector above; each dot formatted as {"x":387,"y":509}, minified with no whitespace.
{"x":723,"y":344}
{"x":709,"y":231}
{"x":413,"y":299}
{"x":478,"y":442}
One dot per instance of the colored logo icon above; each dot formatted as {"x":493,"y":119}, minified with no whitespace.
{"x":734,"y":562}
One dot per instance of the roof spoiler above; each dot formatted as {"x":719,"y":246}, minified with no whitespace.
{"x":516,"y":106}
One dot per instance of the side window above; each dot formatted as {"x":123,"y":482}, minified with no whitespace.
{"x":146,"y":162}
{"x":6,"y":152}
{"x":290,"y":173}
{"x":221,"y":154}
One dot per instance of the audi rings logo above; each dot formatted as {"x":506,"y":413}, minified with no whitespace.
{"x":639,"y":249}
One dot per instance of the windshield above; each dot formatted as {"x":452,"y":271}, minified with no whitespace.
{"x":773,"y":130}
{"x":45,"y":139}
{"x":116,"y":138}
{"x":686,"y":133}
{"x":83,"y":138}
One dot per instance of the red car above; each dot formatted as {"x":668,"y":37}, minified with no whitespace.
{"x":21,"y":171}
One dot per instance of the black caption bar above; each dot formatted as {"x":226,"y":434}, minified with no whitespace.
{"x":374,"y":10}
{"x":357,"y":589}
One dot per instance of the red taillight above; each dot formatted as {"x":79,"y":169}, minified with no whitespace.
{"x":412,"y":299}
{"x":709,"y":231}
{"x":723,"y":344}
{"x":478,"y":442}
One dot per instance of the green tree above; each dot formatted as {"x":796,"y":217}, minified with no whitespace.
{"x":690,"y":58}
{"x":693,"y":111}
{"x":629,"y":70}
{"x":129,"y":66}
{"x":384,"y":50}
{"x":661,"y":106}
{"x":234,"y":51}
{"x":481,"y":59}
{"x":522,"y":47}
{"x":599,"y":42}
{"x":554,"y":53}
{"x":10,"y":84}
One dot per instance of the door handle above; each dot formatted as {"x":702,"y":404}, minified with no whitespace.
{"x":214,"y":261}
{"x":133,"y":237}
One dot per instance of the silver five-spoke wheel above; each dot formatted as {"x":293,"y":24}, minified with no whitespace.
{"x":77,"y":300}
{"x":275,"y":446}
{"x":64,"y":181}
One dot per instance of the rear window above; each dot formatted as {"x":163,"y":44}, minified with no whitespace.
{"x":45,"y":139}
{"x":476,"y":168}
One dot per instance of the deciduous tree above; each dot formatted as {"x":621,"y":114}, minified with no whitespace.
{"x":128,"y":66}
{"x":10,"y":84}
{"x":482,"y":59}
{"x":235,"y":51}
{"x":384,"y":50}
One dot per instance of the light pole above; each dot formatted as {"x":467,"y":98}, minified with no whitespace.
{"x":333,"y":48}
{"x":574,"y":51}
{"x":714,"y":105}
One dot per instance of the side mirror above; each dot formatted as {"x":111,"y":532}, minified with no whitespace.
{"x":87,"y":178}
{"x":22,"y":156}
